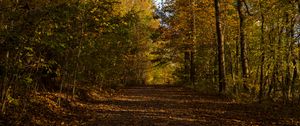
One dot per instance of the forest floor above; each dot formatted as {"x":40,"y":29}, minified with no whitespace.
{"x":151,"y":106}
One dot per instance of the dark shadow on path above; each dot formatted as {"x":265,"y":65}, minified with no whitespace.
{"x":154,"y":105}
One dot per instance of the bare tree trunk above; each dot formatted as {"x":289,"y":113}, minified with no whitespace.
{"x":192,"y":69}
{"x":295,"y":72}
{"x":295,"y":77}
{"x":192,"y":64}
{"x":243,"y":45}
{"x":286,"y":85}
{"x":186,"y":65}
{"x":221,"y":54}
{"x":237,"y":62}
{"x":298,"y":6}
{"x":261,"y":81}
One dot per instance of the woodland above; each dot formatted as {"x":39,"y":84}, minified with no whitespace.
{"x":150,"y":62}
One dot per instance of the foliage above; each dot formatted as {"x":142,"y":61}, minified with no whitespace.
{"x":270,"y":37}
{"x":59,"y":45}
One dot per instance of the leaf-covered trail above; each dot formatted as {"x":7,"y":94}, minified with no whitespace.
{"x":150,"y":106}
{"x":178,"y":106}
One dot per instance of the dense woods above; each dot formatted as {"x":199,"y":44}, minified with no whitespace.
{"x":246,"y":50}
{"x":65,"y":44}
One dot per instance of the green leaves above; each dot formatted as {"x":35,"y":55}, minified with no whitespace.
{"x":79,"y":41}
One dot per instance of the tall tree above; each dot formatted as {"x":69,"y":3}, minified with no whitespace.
{"x":243,"y":44}
{"x":193,"y":41}
{"x":262,"y":60}
{"x":221,"y":50}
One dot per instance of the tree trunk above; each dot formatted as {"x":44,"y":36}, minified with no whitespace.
{"x":192,"y":69}
{"x":293,"y":83}
{"x":193,"y":37}
{"x":221,"y":54}
{"x":186,"y":65}
{"x":298,"y":6}
{"x":261,"y":82}
{"x":289,"y":37}
{"x":295,"y":72}
{"x":243,"y":45}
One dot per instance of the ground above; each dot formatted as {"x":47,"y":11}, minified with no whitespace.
{"x":155,"y":106}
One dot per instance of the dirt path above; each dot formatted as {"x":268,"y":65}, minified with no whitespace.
{"x":160,"y":106}
{"x":153,"y":106}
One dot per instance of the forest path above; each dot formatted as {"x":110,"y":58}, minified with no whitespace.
{"x":161,"y":105}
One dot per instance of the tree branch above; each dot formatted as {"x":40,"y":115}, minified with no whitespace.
{"x":247,"y":8}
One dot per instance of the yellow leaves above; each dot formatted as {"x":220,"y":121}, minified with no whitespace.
{"x":96,"y":19}
{"x":93,"y":10}
{"x":78,"y":17}
{"x":154,"y":24}
{"x":124,"y":23}
{"x":5,"y":27}
{"x":12,"y":100}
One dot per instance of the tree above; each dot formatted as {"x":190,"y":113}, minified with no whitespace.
{"x":243,"y":44}
{"x":221,"y":54}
